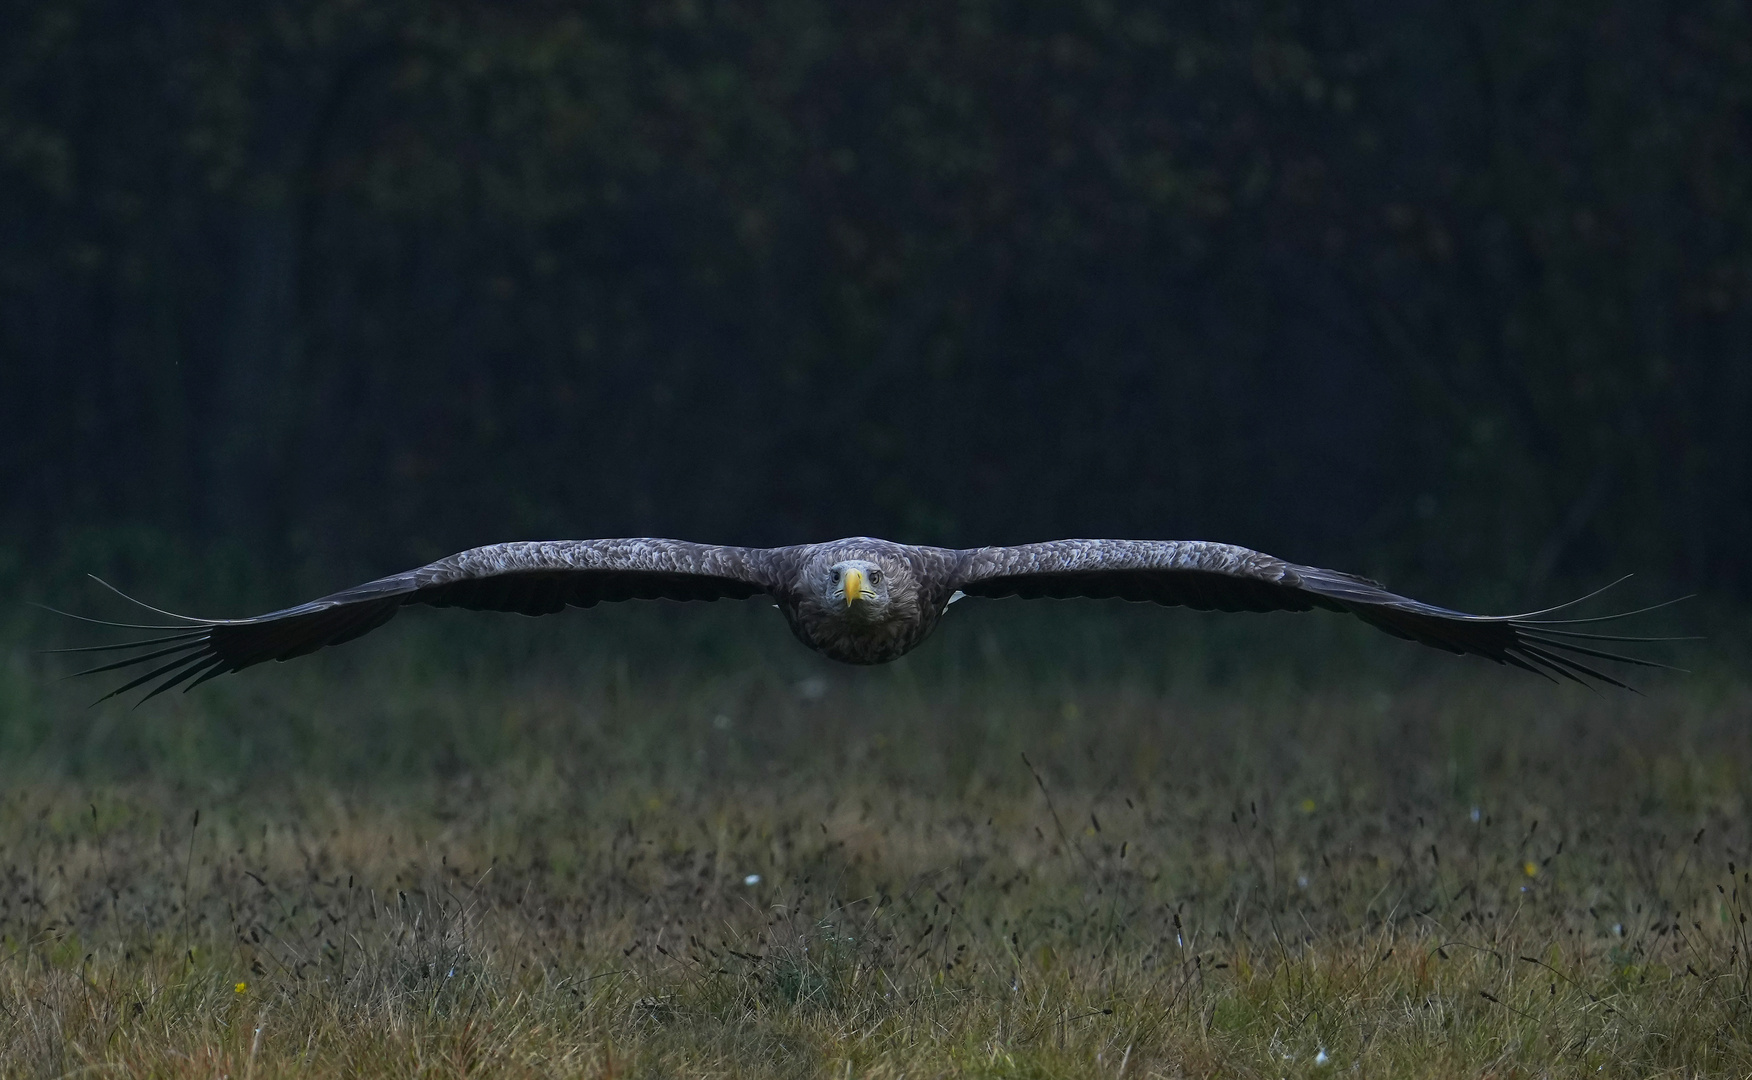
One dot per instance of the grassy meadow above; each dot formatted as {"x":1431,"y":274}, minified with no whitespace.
{"x":1060,"y":840}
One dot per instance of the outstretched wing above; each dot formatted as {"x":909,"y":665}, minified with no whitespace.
{"x":1223,"y":577}
{"x":528,"y":578}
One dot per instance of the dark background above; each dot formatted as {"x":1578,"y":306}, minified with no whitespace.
{"x":1458,"y":293}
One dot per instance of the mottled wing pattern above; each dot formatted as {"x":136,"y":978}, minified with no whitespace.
{"x":1223,"y":577}
{"x":1188,"y":573}
{"x":528,"y":578}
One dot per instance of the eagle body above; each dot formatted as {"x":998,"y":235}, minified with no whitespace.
{"x":859,"y":600}
{"x":857,"y":633}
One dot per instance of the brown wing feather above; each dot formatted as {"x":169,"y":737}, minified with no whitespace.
{"x":528,"y":578}
{"x":1223,"y":577}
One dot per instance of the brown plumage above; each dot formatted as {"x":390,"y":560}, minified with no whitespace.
{"x":859,"y":600}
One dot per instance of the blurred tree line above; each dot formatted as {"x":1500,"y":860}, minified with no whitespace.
{"x":1441,"y":290}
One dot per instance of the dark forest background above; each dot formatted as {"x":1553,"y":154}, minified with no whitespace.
{"x":1453,"y":292}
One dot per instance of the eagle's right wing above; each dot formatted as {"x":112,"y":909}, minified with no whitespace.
{"x":529,"y":578}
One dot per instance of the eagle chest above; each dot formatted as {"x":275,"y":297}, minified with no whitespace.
{"x":839,"y":636}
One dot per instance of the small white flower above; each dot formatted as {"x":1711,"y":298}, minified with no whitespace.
{"x":1302,"y":881}
{"x":1475,"y":814}
{"x":1617,"y":929}
{"x":752,"y":879}
{"x":1321,"y":1058}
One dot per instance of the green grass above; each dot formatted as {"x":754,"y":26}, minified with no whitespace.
{"x":1237,"y":847}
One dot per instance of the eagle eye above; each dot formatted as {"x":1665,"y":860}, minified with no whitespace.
{"x":875,"y":577}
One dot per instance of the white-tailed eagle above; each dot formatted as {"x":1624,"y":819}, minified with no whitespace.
{"x":859,"y":600}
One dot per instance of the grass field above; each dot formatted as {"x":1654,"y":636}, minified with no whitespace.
{"x":1059,"y":841}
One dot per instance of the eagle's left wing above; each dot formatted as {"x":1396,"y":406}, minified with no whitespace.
{"x":1223,"y":577}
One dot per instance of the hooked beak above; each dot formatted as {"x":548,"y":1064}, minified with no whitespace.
{"x":854,"y":585}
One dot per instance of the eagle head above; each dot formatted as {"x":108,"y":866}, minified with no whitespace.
{"x":858,"y":588}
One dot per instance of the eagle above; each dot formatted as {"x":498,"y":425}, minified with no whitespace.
{"x":859,"y":600}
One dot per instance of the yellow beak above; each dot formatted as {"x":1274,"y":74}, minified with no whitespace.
{"x":854,"y":585}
